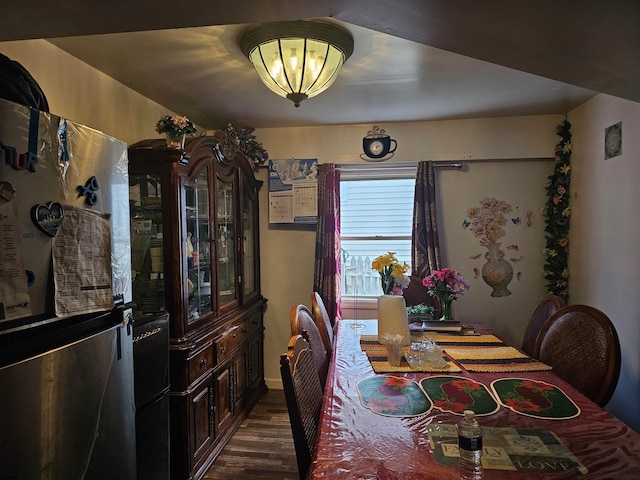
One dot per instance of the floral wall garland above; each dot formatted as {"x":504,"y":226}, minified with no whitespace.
{"x":245,"y":140}
{"x":558,"y":212}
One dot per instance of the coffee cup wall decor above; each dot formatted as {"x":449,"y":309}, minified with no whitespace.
{"x":378,"y":146}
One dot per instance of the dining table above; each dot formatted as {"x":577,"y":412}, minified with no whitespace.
{"x":398,"y":423}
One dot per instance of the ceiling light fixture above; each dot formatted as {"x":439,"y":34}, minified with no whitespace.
{"x":297,"y":59}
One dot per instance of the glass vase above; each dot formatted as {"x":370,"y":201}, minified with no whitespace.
{"x":175,"y":140}
{"x":447,"y":314}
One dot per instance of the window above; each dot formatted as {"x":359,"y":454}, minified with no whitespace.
{"x":375,"y":218}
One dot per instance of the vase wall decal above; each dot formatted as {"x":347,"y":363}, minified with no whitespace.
{"x":392,"y":318}
{"x":176,"y":140}
{"x":497,"y":272}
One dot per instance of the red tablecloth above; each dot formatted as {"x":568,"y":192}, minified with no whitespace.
{"x":356,"y":443}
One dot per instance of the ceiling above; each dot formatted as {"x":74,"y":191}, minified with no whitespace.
{"x":413,"y":59}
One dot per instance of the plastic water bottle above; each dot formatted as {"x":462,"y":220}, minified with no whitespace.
{"x":470,"y":447}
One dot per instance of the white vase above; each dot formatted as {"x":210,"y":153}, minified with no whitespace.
{"x":392,"y":318}
{"x":497,"y":272}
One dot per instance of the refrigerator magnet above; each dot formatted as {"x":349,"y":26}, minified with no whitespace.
{"x":7,"y":191}
{"x":48,"y":218}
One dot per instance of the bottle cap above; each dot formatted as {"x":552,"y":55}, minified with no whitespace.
{"x":469,"y":413}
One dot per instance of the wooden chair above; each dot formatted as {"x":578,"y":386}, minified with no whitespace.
{"x":303,"y":395}
{"x":302,"y":323}
{"x":582,"y":346}
{"x":323,"y":322}
{"x":547,"y":307}
{"x":416,"y":294}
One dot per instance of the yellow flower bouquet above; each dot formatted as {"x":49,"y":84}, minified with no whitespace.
{"x":393,"y":276}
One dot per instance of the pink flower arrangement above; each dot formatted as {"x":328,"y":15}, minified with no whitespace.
{"x":445,"y":284}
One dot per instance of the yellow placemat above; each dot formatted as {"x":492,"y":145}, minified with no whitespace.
{"x":493,"y":359}
{"x":479,"y":340}
{"x":377,"y":355}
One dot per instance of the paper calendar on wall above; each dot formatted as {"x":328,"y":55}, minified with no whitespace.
{"x":293,"y":191}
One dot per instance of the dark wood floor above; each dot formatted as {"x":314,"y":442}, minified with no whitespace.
{"x":262,"y":447}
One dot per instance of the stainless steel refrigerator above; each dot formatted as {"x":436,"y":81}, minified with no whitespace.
{"x":66,"y":357}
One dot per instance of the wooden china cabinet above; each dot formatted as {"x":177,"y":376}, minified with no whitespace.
{"x":195,"y":254}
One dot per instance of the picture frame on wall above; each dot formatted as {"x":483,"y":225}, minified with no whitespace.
{"x":613,"y":141}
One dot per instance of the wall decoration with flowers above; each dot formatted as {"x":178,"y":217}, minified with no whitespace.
{"x":487,"y":223}
{"x":558,"y":212}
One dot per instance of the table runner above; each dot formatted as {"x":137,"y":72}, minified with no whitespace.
{"x":377,"y":355}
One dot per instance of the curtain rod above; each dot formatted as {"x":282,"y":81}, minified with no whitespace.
{"x":353,"y":167}
{"x":371,"y":171}
{"x":436,"y":163}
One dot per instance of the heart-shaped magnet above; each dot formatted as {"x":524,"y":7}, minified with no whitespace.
{"x":48,"y":218}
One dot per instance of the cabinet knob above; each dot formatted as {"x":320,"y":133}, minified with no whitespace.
{"x":223,"y":349}
{"x":203,"y":362}
{"x":245,"y":330}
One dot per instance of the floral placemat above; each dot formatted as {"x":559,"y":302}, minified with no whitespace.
{"x":534,"y":398}
{"x":456,"y":394}
{"x":393,"y":396}
{"x":377,"y":356}
{"x":524,"y":450}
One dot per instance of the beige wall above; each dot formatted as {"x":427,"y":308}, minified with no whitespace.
{"x":604,"y":235}
{"x":82,"y":94}
{"x":287,"y":253}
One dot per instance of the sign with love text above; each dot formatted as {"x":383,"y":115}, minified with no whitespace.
{"x":516,"y":449}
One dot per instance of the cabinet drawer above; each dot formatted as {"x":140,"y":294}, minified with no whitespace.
{"x":230,"y":341}
{"x":200,"y":363}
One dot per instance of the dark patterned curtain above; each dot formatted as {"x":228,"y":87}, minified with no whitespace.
{"x":326,"y":275}
{"x":425,"y":246}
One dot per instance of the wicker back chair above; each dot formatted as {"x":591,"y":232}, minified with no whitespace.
{"x":303,"y":395}
{"x":416,"y":294}
{"x":582,"y":346}
{"x":547,"y":307}
{"x":302,"y":323}
{"x":323,"y":322}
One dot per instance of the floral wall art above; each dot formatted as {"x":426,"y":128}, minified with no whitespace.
{"x":488,"y":222}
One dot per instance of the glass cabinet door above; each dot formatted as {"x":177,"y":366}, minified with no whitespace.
{"x":147,"y":243}
{"x":249,"y":243}
{"x":226,"y":239}
{"x":197,"y":244}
